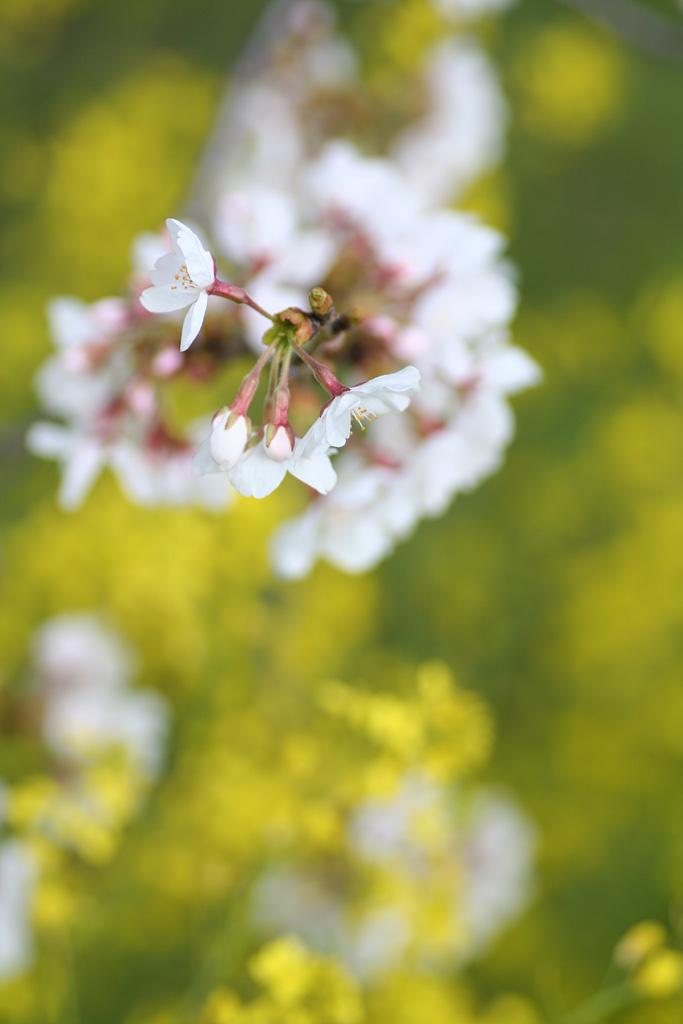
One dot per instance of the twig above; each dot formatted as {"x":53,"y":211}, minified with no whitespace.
{"x":643,"y":29}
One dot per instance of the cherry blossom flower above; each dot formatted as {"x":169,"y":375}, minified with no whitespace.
{"x":390,"y":392}
{"x":258,"y":473}
{"x":80,"y":330}
{"x":182,"y":278}
{"x":261,"y":468}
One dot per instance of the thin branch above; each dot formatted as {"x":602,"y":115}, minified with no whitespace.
{"x":643,"y":29}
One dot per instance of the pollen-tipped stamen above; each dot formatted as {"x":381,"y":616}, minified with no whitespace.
{"x":360,"y":413}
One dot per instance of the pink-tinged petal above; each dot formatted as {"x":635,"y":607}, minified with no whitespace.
{"x":255,"y":475}
{"x":203,"y":461}
{"x":80,"y":472}
{"x":280,"y":446}
{"x":163,"y":300}
{"x":316,"y":470}
{"x":165,"y":269}
{"x":194,"y":318}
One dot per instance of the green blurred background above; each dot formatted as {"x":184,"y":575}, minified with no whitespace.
{"x":554,"y":591}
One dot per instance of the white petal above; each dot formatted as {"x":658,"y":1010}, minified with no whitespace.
{"x":509,"y":369}
{"x":293,"y":547}
{"x":255,"y":475}
{"x":146,"y":249}
{"x":160,"y":299}
{"x":80,"y":473}
{"x":256,"y":224}
{"x":136,"y":471}
{"x":314,"y":469}
{"x":69,"y":321}
{"x":385,"y":401}
{"x":165,"y":269}
{"x":355,"y":543}
{"x":49,"y":440}
{"x":198,"y":261}
{"x":194,"y":319}
{"x":335,"y":423}
{"x":174,"y":227}
{"x":203,"y":462}
{"x":308,"y":258}
{"x":406,"y":379}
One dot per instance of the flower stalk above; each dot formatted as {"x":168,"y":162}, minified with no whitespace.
{"x":238,"y":295}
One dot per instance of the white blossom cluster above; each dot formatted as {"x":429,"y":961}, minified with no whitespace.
{"x":295,"y":201}
{"x":478,"y":849}
{"x":83,"y":670}
{"x":109,"y":403}
{"x":87,"y":712}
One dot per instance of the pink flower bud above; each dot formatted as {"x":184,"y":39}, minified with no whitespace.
{"x":142,"y":399}
{"x":167,"y":362}
{"x":279,"y":443}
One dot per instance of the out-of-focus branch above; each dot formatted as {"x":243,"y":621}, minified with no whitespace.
{"x":646,"y":30}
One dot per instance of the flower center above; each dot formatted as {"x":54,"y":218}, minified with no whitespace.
{"x":185,"y":281}
{"x":360,"y":413}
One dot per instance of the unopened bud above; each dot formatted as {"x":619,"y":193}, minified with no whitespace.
{"x":229,"y":435}
{"x":301,"y":321}
{"x":319,"y":301}
{"x":279,"y":442}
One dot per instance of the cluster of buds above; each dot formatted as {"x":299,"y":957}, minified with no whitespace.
{"x":258,"y":460}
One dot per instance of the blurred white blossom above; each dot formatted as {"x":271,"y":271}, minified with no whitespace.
{"x":17,"y":882}
{"x":473,"y":852}
{"x":83,"y":671}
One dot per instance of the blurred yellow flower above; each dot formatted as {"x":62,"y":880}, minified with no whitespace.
{"x":661,"y":976}
{"x":639,"y":942}
{"x":570,"y":80}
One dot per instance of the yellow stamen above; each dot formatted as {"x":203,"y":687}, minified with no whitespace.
{"x":359,"y":413}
